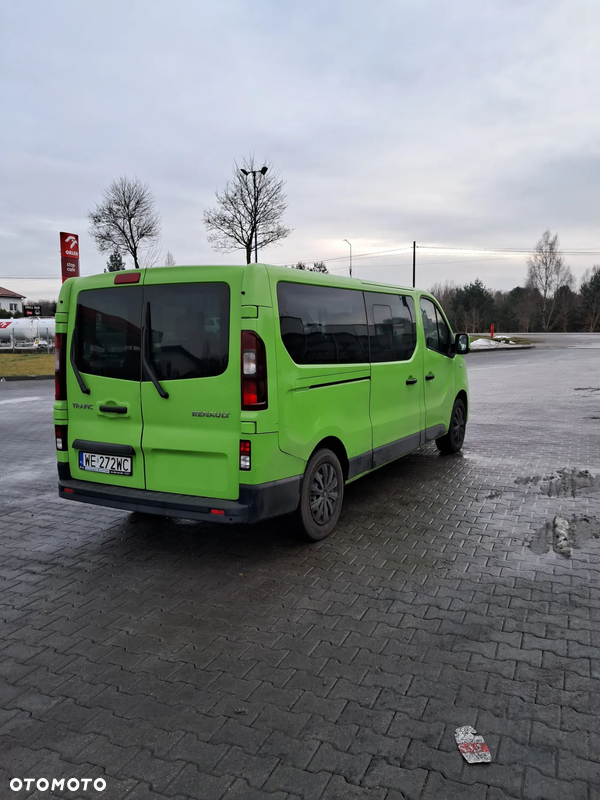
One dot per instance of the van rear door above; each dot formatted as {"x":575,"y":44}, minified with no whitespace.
{"x":103,"y":383}
{"x":190,"y":389}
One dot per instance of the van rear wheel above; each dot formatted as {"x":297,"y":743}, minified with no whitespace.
{"x":452,"y":441}
{"x":322,"y":495}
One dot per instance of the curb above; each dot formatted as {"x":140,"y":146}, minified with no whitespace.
{"x":27,"y":378}
{"x":502,"y":349}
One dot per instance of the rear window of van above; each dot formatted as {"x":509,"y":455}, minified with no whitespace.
{"x":108,"y":334}
{"x":189,"y":330}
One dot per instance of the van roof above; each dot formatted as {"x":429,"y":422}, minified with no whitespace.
{"x":279,"y":271}
{"x":325,"y":276}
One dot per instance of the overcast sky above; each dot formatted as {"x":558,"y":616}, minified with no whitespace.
{"x":471,"y":124}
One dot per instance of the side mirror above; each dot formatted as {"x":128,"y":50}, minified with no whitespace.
{"x":461,"y":343}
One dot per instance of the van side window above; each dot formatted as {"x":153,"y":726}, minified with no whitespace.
{"x":107,"y":334}
{"x":322,"y":324}
{"x":437,"y":333}
{"x":189,"y":329}
{"x":391,"y":327}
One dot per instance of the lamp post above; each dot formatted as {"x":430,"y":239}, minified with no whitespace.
{"x":346,"y":240}
{"x":255,"y":172}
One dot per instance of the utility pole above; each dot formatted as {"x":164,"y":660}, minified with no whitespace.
{"x":346,"y":240}
{"x":414,"y":264}
{"x":255,"y":215}
{"x":255,"y":172}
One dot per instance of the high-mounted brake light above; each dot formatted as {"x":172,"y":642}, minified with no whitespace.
{"x":127,"y":277}
{"x":60,"y":372}
{"x":245,"y":455}
{"x":254,"y":372}
{"x":60,"y":435}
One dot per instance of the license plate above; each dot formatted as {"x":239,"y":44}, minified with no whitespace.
{"x":109,"y":465}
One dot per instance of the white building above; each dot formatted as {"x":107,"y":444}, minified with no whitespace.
{"x":11,"y":301}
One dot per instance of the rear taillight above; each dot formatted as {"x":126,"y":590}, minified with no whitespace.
{"x":245,"y":455}
{"x":254,"y":372}
{"x":60,"y":434}
{"x":60,"y":372}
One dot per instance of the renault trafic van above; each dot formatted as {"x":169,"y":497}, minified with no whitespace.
{"x":237,"y":393}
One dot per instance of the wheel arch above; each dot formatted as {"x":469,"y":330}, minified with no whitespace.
{"x":336,"y":446}
{"x":462,"y":395}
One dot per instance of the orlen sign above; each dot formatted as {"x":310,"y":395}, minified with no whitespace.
{"x":69,"y":255}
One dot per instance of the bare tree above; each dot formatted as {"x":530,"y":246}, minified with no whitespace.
{"x":547,"y":272}
{"x":152,"y":255}
{"x":127,"y":221}
{"x":249,"y":209}
{"x":169,"y":260}
{"x":445,"y":292}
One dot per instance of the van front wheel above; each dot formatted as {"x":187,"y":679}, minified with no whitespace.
{"x":322,"y":495}
{"x":452,"y":441}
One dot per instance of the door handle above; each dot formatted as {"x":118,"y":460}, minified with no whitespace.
{"x":410,"y":381}
{"x":429,"y":377}
{"x":113,"y":409}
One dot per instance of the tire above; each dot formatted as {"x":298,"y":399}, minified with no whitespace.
{"x":452,"y":441}
{"x":321,"y":496}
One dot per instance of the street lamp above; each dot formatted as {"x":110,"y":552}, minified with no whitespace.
{"x":255,"y":172}
{"x":346,"y":240}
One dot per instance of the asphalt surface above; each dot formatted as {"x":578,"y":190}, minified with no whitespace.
{"x":186,"y":660}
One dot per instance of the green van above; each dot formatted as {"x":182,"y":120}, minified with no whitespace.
{"x":237,"y":393}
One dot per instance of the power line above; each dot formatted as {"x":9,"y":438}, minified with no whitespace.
{"x":515,"y":250}
{"x":506,"y":252}
{"x":428,"y":263}
{"x":35,"y":277}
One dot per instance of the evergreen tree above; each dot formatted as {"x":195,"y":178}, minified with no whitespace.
{"x":115,"y":263}
{"x":318,"y":266}
{"x":473,"y":307}
{"x":590,"y":299}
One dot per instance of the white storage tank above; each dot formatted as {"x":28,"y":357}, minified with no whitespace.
{"x":27,"y":329}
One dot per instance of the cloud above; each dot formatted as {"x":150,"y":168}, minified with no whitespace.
{"x":469,"y":123}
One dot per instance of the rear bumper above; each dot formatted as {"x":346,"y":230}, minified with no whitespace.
{"x":255,"y":502}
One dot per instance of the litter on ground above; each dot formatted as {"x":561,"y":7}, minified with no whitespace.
{"x":472,"y":746}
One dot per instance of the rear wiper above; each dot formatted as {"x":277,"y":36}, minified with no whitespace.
{"x":146,"y":355}
{"x":74,"y":336}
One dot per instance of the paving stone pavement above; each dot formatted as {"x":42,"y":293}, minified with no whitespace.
{"x":184,"y":660}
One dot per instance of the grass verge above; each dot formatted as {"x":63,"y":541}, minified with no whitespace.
{"x":30,"y":364}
